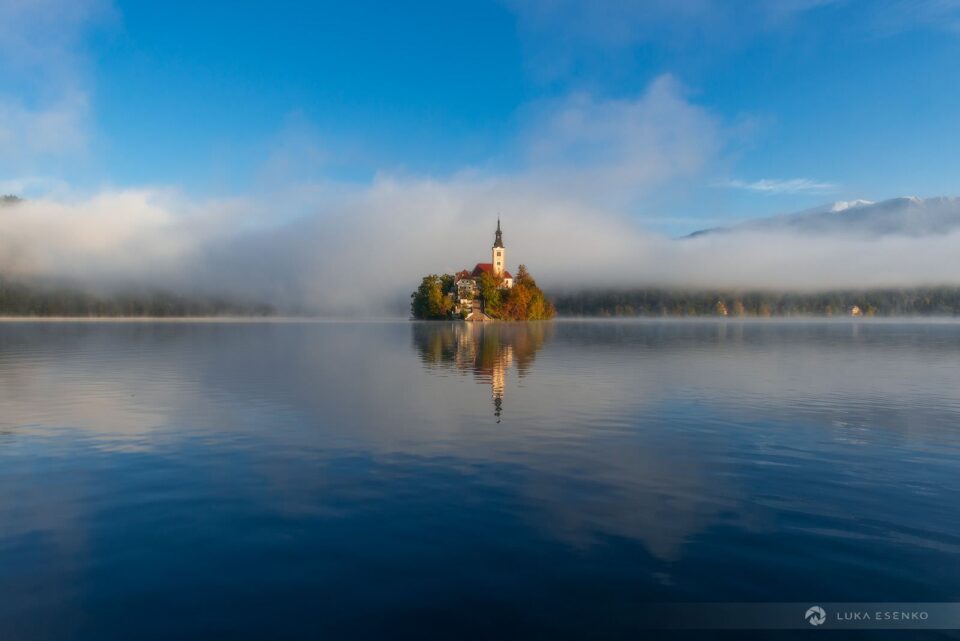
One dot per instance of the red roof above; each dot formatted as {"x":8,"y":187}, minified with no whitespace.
{"x":488,"y":268}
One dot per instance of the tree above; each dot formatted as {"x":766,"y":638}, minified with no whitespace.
{"x":524,"y":277}
{"x":433,"y":299}
{"x":525,"y":301}
{"x":490,"y":294}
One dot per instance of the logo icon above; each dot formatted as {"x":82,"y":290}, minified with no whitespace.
{"x":815,"y":615}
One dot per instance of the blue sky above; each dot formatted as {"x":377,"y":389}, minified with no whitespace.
{"x":680,"y":115}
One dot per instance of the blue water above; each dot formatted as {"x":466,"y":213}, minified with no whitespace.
{"x":417,"y":481}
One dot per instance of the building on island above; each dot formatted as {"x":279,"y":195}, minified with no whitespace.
{"x":467,"y":283}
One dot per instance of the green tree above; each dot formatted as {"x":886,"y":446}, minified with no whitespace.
{"x":490,"y":294}
{"x":433,"y":299}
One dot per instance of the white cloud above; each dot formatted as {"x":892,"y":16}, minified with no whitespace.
{"x":616,"y":149}
{"x":561,"y":38}
{"x":134,"y":234}
{"x":45,"y":94}
{"x":363,"y":249}
{"x":787,"y":186}
{"x":52,"y":129}
{"x":562,"y":35}
{"x":899,"y":16}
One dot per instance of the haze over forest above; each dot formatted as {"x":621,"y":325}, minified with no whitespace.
{"x":363,"y":257}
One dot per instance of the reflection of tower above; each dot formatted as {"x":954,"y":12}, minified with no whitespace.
{"x":498,"y":378}
{"x":499,"y":252}
{"x":488,"y":351}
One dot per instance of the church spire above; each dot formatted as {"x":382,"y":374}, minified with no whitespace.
{"x":498,"y":253}
{"x":499,"y":239}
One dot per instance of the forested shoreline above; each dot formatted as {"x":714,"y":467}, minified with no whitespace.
{"x":46,"y":299}
{"x":52,"y":299}
{"x":652,"y":302}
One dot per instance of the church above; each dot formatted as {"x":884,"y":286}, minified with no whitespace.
{"x":466,"y":283}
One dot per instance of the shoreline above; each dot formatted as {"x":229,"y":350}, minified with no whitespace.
{"x":293,"y":320}
{"x":192,"y":319}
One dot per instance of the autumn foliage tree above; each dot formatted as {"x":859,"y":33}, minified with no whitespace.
{"x":525,"y":301}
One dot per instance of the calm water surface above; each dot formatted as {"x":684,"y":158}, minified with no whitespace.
{"x":403,"y":480}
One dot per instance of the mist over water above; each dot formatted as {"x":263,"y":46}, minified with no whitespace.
{"x":158,"y":479}
{"x":359,"y":252}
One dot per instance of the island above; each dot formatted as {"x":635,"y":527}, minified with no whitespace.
{"x":487,"y":293}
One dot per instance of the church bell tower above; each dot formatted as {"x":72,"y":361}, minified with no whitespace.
{"x":499,"y":252}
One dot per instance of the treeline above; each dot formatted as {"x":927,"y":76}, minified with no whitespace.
{"x":929,"y":301}
{"x":22,"y":299}
{"x":523,"y":301}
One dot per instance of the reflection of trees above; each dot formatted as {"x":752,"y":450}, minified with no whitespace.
{"x":487,"y":350}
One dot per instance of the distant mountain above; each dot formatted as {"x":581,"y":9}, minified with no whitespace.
{"x":907,"y":216}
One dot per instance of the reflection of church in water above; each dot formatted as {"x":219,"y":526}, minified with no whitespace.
{"x":486,"y":364}
{"x":488,"y":351}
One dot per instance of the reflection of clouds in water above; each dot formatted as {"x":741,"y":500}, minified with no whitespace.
{"x":129,"y":386}
{"x":646,"y":431}
{"x":660,"y":497}
{"x":588,"y":486}
{"x":769,"y":394}
{"x":895,"y":377}
{"x":53,"y":379}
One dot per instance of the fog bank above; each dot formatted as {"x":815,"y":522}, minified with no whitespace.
{"x":360,"y":251}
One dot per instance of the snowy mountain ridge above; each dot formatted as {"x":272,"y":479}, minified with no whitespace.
{"x":904,"y":216}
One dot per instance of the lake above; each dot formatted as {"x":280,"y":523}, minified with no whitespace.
{"x":443,"y":480}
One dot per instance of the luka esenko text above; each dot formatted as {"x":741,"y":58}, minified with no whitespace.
{"x":487,"y":293}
